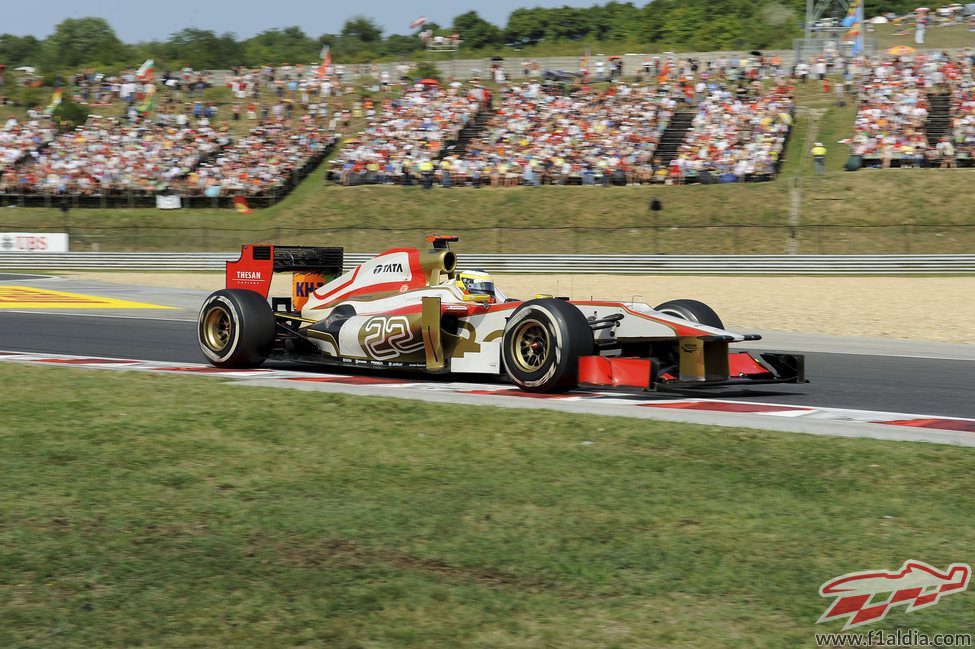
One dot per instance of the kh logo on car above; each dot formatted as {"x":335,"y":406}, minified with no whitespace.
{"x":865,"y":597}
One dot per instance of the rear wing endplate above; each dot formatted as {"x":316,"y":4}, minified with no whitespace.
{"x":258,"y":263}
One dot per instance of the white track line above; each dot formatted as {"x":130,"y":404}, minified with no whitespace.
{"x":835,"y":422}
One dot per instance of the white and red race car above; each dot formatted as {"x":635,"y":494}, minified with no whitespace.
{"x":404,"y":309}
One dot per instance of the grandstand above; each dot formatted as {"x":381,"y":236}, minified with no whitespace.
{"x":916,"y":111}
{"x":724,"y":119}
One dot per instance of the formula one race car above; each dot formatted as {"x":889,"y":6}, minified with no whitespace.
{"x":411,"y":309}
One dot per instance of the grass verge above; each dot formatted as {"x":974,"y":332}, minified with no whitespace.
{"x":182,"y":512}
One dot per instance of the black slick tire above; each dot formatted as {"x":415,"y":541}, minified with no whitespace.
{"x":236,"y":328}
{"x":543,"y":340}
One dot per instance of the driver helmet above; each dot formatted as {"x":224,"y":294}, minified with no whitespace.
{"x":476,"y":285}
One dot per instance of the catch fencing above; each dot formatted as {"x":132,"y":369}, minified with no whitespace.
{"x":538,"y":264}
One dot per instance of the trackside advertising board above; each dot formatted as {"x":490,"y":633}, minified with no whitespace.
{"x":33,"y":242}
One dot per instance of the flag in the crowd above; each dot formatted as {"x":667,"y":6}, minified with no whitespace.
{"x":921,"y":24}
{"x":851,"y":14}
{"x":145,"y":70}
{"x":919,"y":34}
{"x":418,"y":22}
{"x":149,"y":100}
{"x":240,"y":203}
{"x":55,"y":101}
{"x":664,"y":73}
{"x":326,"y":65}
{"x":855,"y":33}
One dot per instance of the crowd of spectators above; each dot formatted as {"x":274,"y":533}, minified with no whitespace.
{"x":893,"y":110}
{"x":405,"y":135}
{"x":896,"y":98}
{"x":549,"y":134}
{"x":537,"y":135}
{"x":736,"y":136}
{"x":962,"y":106}
{"x":89,"y":87}
{"x":109,"y":155}
{"x":18,"y":140}
{"x":265,"y":160}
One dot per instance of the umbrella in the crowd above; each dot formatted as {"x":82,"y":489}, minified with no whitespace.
{"x":27,"y":69}
{"x":429,"y":82}
{"x":921,"y":10}
{"x":901,"y":50}
{"x":497,"y":58}
{"x":614,"y":58}
{"x":879,"y":20}
{"x":755,"y":53}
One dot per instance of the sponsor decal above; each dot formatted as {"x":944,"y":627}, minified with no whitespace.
{"x":33,"y":242}
{"x":304,"y":289}
{"x":388,"y":337}
{"x":387,"y":268}
{"x":249,"y":274}
{"x":867,"y":596}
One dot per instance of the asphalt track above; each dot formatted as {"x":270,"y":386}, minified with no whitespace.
{"x":936,"y":386}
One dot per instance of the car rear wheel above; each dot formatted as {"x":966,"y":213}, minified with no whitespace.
{"x":236,"y":328}
{"x":692,"y":310}
{"x":542,"y":343}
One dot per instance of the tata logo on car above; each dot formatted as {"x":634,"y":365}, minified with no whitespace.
{"x":248,"y":274}
{"x":387,"y":268}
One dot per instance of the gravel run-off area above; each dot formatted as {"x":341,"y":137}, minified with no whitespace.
{"x":920,"y":308}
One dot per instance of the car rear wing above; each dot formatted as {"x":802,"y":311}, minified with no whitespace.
{"x":258,"y":263}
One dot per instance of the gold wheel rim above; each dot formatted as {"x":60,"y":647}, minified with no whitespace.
{"x":216,"y":328}
{"x":530,"y":345}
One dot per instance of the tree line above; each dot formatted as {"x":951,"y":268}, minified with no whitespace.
{"x":690,"y":25}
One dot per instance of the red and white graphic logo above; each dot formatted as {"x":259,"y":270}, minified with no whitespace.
{"x":865,"y":597}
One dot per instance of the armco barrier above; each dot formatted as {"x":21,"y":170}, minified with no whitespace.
{"x":529,"y":263}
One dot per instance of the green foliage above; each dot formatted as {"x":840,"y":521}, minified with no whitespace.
{"x":202,"y":49}
{"x":427,"y":70}
{"x":362,"y":28}
{"x":29,"y":97}
{"x":688,"y":25}
{"x":477,"y":32}
{"x":69,"y":114}
{"x":78,"y":41}
{"x":16,"y":51}
{"x":288,"y":45}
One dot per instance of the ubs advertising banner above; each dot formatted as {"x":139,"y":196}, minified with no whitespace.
{"x":33,"y":242}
